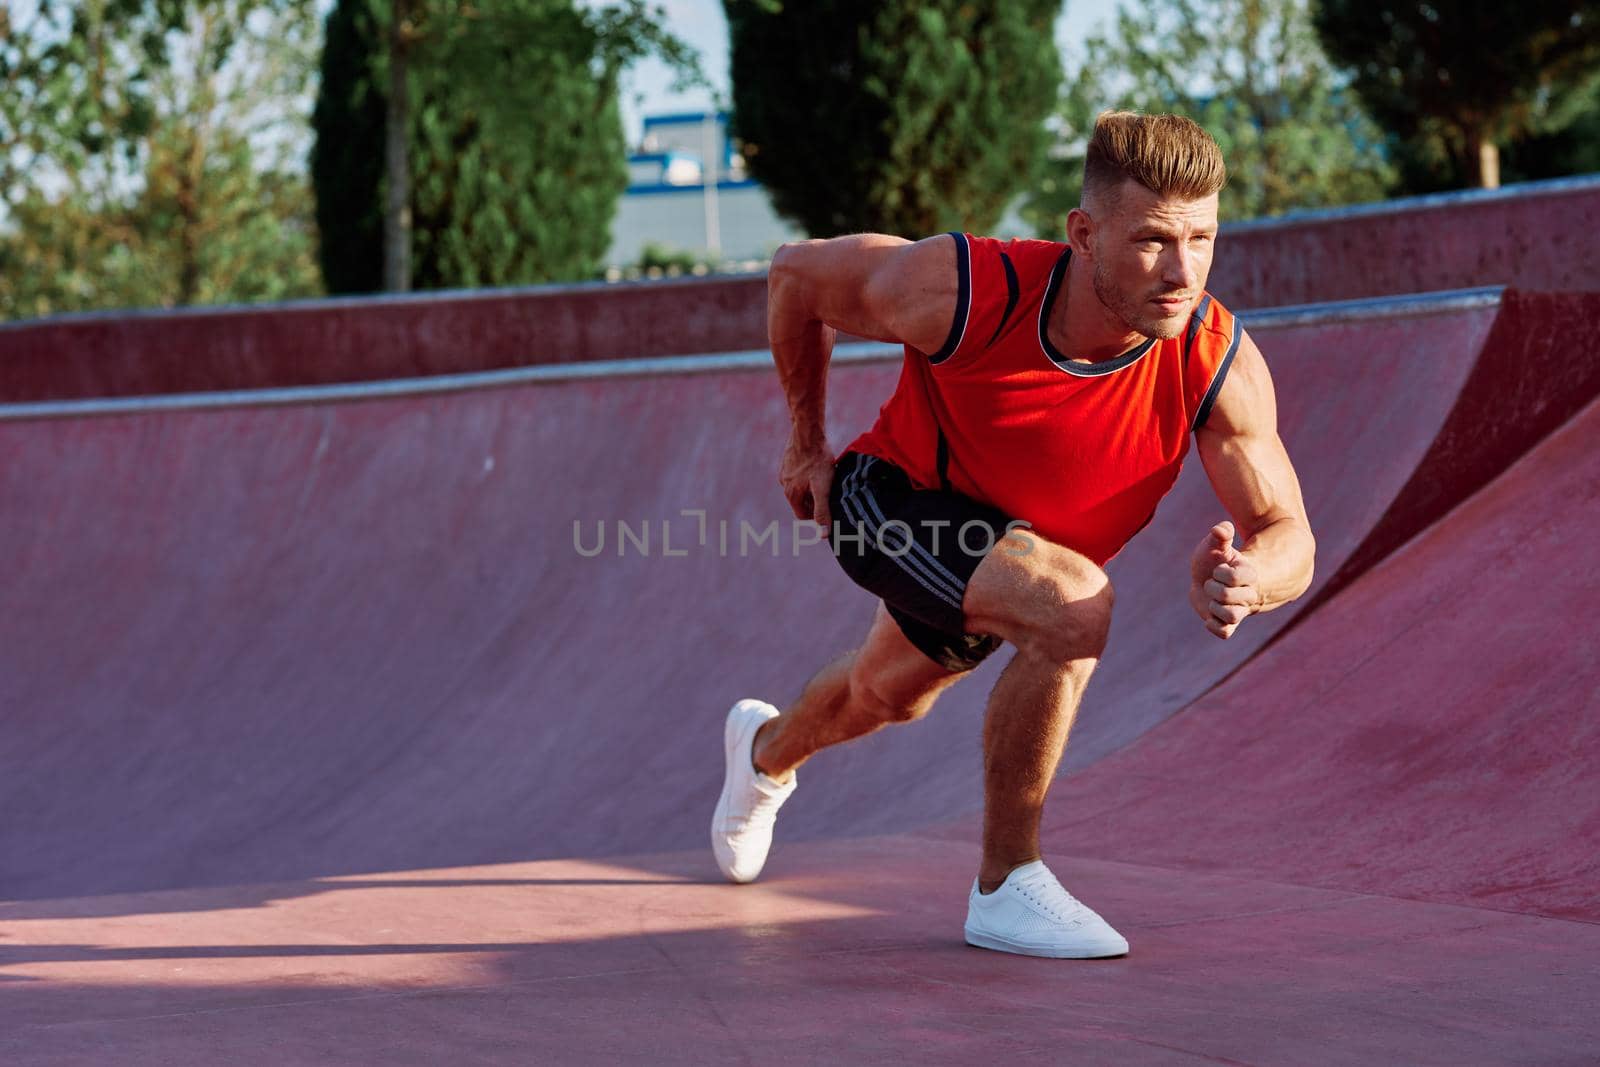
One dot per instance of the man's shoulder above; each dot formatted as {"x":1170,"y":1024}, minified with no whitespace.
{"x":1021,"y":247}
{"x":1028,"y":257}
{"x":1211,"y":320}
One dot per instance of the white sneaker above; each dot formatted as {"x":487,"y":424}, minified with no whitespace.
{"x":1030,"y":914}
{"x":741,"y":829}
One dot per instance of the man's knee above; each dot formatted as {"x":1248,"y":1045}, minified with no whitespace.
{"x":1049,"y":600}
{"x":1068,"y":613}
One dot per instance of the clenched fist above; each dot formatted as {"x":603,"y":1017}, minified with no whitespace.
{"x":806,"y":475}
{"x":1223,"y":587}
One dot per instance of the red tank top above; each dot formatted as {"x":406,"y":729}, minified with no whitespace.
{"x":1082,"y":451}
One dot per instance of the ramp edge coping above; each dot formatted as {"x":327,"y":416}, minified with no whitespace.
{"x":1427,"y":202}
{"x":1516,"y":191}
{"x":750,"y":360}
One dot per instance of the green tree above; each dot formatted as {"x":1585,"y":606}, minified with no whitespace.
{"x":1452,"y":83}
{"x":148,"y":154}
{"x":347,"y":154}
{"x":76,"y":81}
{"x":514,"y":155}
{"x":1572,"y":148}
{"x":1251,"y":73}
{"x":901,"y":116}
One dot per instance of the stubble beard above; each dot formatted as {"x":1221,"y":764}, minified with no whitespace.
{"x":1130,"y":312}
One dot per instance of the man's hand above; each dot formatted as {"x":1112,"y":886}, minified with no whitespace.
{"x":1223,"y":587}
{"x":806,"y":475}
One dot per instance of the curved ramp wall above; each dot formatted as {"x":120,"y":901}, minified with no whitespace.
{"x":1533,"y":236}
{"x":1419,"y":736}
{"x":274,"y":635}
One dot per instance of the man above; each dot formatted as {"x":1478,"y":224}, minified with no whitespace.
{"x":1043,"y":409}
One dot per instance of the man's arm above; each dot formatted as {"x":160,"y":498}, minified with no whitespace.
{"x":1253,"y":478}
{"x":871,"y":285}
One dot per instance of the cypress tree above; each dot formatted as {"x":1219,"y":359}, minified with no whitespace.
{"x":347,"y":156}
{"x":900,"y":116}
{"x":516,"y":144}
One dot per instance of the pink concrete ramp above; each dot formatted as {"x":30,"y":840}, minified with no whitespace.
{"x":371,"y":338}
{"x":1534,"y":235}
{"x":326,"y":739}
{"x":1531,"y":234}
{"x":365,"y":633}
{"x":1374,"y":844}
{"x":1431,"y":734}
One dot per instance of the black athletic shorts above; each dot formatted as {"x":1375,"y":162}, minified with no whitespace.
{"x":916,"y":549}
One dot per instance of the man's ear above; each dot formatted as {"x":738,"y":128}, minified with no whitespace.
{"x":1080,"y":232}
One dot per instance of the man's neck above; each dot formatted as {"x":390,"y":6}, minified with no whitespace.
{"x":1081,"y":327}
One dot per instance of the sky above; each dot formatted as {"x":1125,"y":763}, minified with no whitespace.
{"x":647,"y":88}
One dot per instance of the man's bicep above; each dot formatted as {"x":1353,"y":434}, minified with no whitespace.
{"x":874,"y":285}
{"x":1244,"y":457}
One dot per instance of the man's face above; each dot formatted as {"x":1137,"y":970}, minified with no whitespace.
{"x":1151,"y":257}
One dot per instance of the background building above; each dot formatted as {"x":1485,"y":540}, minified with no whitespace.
{"x":688,"y":192}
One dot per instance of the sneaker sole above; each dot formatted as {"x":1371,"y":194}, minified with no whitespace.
{"x":977,"y":939}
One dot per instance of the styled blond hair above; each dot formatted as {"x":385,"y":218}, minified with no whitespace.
{"x":1168,"y":154}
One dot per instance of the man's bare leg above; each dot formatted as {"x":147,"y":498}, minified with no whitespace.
{"x":886,"y":680}
{"x":1054,"y":605}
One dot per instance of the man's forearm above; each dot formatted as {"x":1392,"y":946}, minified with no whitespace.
{"x":801,"y":347}
{"x":1283,"y":554}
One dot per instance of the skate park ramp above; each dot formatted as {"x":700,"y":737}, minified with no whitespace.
{"x":1532,"y":234}
{"x":282,"y":626}
{"x":1447,"y":733}
{"x":326,"y":740}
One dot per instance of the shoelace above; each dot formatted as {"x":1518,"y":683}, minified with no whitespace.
{"x":1051,"y":898}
